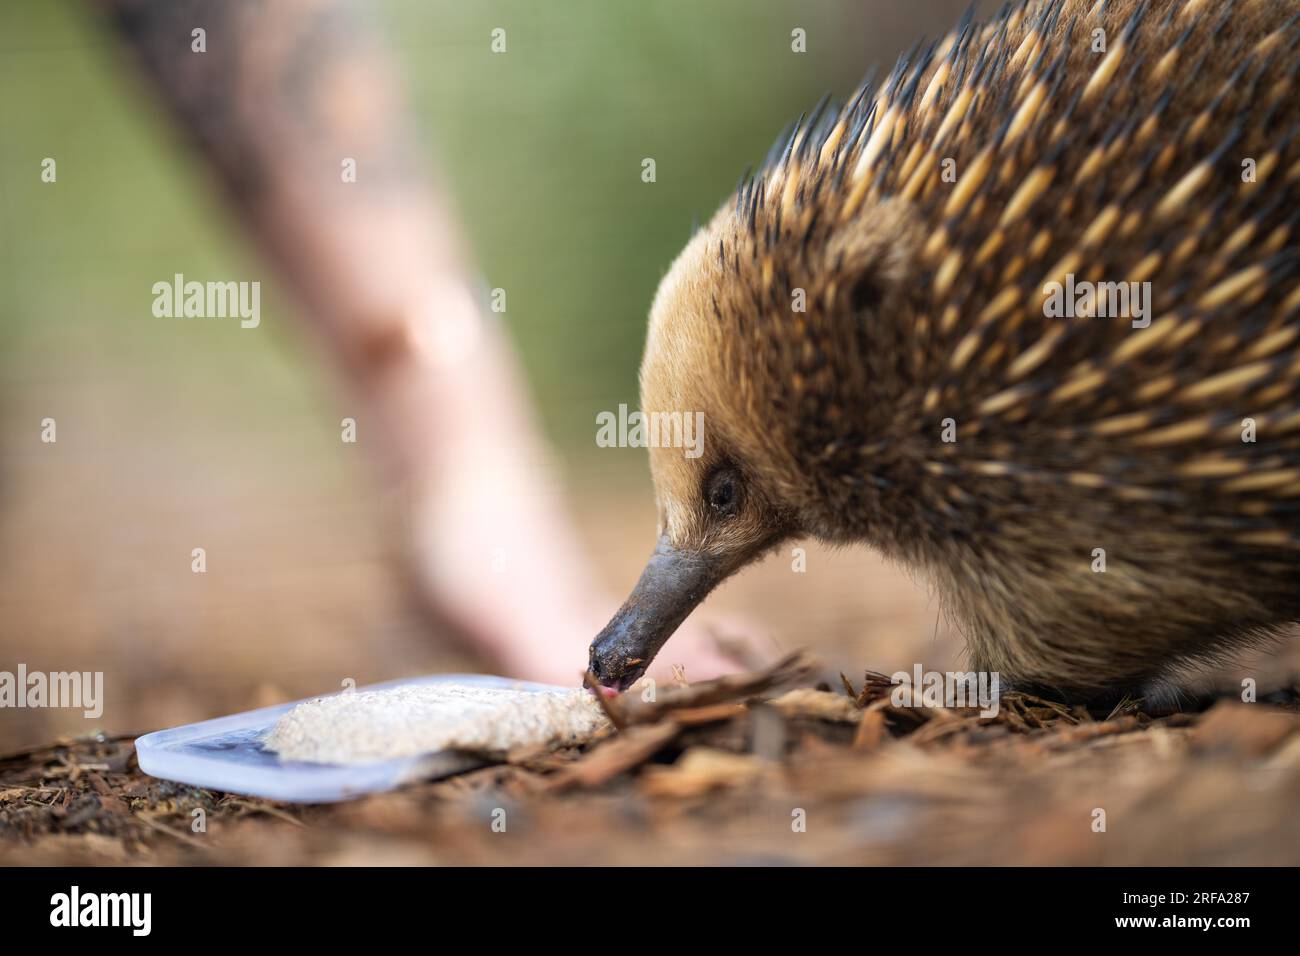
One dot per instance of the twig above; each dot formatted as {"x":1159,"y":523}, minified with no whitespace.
{"x":592,"y":684}
{"x":170,"y":831}
{"x":732,"y":687}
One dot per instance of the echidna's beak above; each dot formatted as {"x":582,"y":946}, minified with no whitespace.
{"x":671,"y":585}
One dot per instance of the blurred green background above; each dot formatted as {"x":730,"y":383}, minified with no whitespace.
{"x":541,"y":148}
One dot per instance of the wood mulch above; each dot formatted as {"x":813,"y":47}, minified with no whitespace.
{"x":767,"y":767}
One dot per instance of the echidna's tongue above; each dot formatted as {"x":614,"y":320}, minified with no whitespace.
{"x":671,"y":585}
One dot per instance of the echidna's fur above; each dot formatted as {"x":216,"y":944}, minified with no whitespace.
{"x":924,"y":302}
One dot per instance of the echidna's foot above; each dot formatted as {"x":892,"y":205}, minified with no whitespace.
{"x":1283,"y":696}
{"x":1161,"y":695}
{"x":1155,"y":696}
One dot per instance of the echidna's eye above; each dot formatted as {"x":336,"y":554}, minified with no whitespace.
{"x":722,"y":491}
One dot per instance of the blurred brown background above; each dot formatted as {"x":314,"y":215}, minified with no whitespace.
{"x":175,"y":435}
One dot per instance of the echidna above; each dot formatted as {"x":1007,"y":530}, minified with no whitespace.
{"x":873,"y":329}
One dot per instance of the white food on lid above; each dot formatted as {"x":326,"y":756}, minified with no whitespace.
{"x":368,"y":726}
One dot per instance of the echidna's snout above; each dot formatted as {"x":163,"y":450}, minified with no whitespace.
{"x":670,"y":587}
